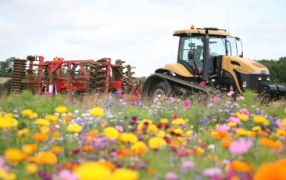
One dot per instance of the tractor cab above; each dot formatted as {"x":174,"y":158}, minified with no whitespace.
{"x":214,"y":56}
{"x":199,"y":49}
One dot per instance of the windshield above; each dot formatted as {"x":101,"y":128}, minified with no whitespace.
{"x":222,"y":46}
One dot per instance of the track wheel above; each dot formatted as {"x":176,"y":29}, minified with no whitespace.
{"x":265,"y":98}
{"x":161,"y":89}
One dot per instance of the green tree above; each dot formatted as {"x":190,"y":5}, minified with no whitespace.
{"x":6,"y":66}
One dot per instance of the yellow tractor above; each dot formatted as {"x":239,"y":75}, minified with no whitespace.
{"x":210,"y":60}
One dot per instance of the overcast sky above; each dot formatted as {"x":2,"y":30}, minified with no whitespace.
{"x":137,"y":31}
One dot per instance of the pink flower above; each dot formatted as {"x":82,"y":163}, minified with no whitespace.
{"x":212,"y":172}
{"x":171,"y":176}
{"x":67,"y":175}
{"x":245,"y":111}
{"x":187,"y":104}
{"x":215,"y":99}
{"x":119,"y":128}
{"x":240,"y":147}
{"x":230,"y":93}
{"x":202,"y":84}
{"x":223,"y":127}
{"x":233,"y":119}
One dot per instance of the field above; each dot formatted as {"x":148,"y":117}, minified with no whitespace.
{"x":108,"y":138}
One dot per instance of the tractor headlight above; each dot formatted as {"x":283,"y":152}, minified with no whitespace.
{"x":244,"y":84}
{"x":259,"y":78}
{"x":268,"y":79}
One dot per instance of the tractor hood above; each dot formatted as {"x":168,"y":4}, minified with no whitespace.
{"x":177,"y":69}
{"x":244,"y":66}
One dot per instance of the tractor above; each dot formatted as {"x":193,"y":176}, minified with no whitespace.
{"x":210,"y":61}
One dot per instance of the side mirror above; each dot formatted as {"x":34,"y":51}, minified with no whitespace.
{"x":241,"y":55}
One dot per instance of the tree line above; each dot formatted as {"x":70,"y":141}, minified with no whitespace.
{"x":277,"y":69}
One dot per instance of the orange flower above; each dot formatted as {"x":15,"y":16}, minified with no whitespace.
{"x":14,"y":155}
{"x":46,"y":157}
{"x":274,"y":170}
{"x":56,"y":134}
{"x":239,"y":166}
{"x":225,"y":143}
{"x":30,"y":148}
{"x":270,"y":143}
{"x":152,"y":171}
{"x":40,"y":137}
{"x":57,"y":149}
{"x":87,"y":148}
{"x":219,"y":134}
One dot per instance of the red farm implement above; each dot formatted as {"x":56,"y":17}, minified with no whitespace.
{"x":59,"y":75}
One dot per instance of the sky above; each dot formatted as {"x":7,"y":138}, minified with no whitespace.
{"x":139,"y":32}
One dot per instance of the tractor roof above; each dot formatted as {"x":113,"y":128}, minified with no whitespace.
{"x":202,"y":31}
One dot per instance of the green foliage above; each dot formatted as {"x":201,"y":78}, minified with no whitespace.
{"x":26,"y":100}
{"x":277,"y":69}
{"x":6,"y":67}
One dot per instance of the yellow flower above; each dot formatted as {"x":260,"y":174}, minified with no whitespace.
{"x":7,"y":121}
{"x":128,"y":138}
{"x":74,"y":128}
{"x":152,"y":128}
{"x":14,"y":155}
{"x":261,"y":120}
{"x":124,"y":174}
{"x":42,"y":122}
{"x":156,"y":143}
{"x":6,"y":175}
{"x":111,"y":133}
{"x":23,"y":132}
{"x":93,"y":171}
{"x":32,"y":168}
{"x":179,"y":121}
{"x":243,"y":132}
{"x":256,"y":128}
{"x":242,"y":117}
{"x":280,"y":132}
{"x":30,"y":148}
{"x":61,"y":109}
{"x":139,"y":148}
{"x":164,"y":121}
{"x":97,"y":112}
{"x":52,"y":118}
{"x":143,"y":124}
{"x":231,"y":124}
{"x":33,"y":115}
{"x":178,"y":131}
{"x":26,"y":113}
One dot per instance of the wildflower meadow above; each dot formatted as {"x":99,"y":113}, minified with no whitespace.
{"x":108,"y":138}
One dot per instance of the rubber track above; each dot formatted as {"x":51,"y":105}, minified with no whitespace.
{"x":208,"y":90}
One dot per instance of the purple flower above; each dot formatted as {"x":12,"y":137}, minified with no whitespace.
{"x":212,"y":172}
{"x":171,"y":176}
{"x":240,"y":147}
{"x":203,"y":121}
{"x":185,"y":166}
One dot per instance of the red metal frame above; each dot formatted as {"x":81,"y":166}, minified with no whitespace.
{"x":74,"y":75}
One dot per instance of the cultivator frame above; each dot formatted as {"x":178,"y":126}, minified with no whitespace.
{"x":59,"y":75}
